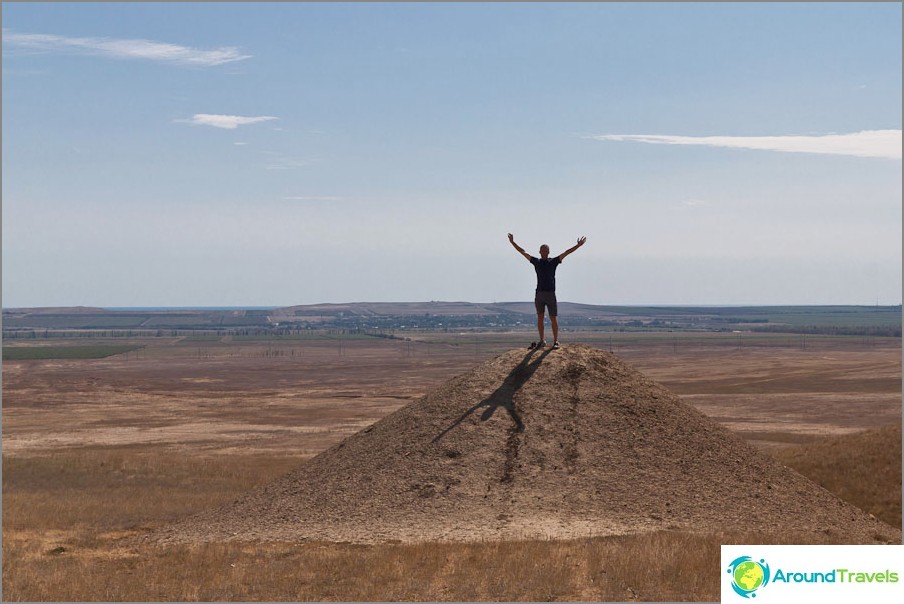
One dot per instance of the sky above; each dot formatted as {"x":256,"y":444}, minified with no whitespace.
{"x":272,"y":154}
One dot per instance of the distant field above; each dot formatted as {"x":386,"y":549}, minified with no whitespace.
{"x":280,"y":337}
{"x":83,"y":321}
{"x":23,"y":353}
{"x":190,"y":320}
{"x":445,"y":316}
{"x":189,"y":339}
{"x":823,"y":319}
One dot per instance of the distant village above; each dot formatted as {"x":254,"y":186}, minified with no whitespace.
{"x":456,"y":317}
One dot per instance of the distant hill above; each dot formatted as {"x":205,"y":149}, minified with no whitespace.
{"x":55,"y":310}
{"x":835,"y":320}
{"x":371,"y":309}
{"x":832,"y":320}
{"x":445,"y":309}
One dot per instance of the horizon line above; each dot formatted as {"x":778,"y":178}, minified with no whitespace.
{"x":425,"y":302}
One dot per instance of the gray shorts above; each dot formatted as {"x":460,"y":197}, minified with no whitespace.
{"x":547,"y":299}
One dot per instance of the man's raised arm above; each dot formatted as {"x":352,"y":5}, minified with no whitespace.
{"x":566,"y":252}
{"x":518,"y":247}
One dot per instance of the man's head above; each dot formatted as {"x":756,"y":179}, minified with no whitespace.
{"x":544,"y":251}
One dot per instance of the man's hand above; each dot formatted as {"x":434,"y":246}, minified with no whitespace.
{"x":581,"y":241}
{"x":518,"y":247}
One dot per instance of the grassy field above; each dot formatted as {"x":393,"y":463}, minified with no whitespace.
{"x":863,"y":468}
{"x":201,"y":338}
{"x":21,"y":353}
{"x":68,"y":518}
{"x":110,"y":320}
{"x":98,"y":452}
{"x":791,"y":315}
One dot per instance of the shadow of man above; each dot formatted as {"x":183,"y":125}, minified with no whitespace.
{"x":504,"y":395}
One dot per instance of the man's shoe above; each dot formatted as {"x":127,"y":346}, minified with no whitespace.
{"x":532,"y":346}
{"x":555,"y":345}
{"x":542,"y":344}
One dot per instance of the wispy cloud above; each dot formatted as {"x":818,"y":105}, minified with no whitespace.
{"x":125,"y":49}
{"x":229,"y":122}
{"x":313,"y":198}
{"x":868,"y":143}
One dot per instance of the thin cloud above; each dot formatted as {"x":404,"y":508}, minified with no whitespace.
{"x":125,"y":49}
{"x":312,"y":198}
{"x":695,"y":202}
{"x":229,"y":122}
{"x":885,"y":144}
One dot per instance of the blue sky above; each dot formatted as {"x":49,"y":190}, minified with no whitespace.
{"x":180,"y":154}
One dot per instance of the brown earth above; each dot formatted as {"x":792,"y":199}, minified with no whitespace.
{"x":776,"y":396}
{"x":97,"y":451}
{"x":552,"y":444}
{"x":863,"y":468}
{"x":231,"y":397}
{"x":239,"y":397}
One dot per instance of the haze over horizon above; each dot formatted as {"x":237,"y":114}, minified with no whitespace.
{"x":221,"y":154}
{"x":425,"y":303}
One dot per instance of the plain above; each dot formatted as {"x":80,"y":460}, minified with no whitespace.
{"x":99,"y":450}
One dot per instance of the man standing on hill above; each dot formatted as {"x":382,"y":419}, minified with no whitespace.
{"x":546,"y":287}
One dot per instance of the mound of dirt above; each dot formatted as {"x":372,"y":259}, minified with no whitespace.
{"x":548,"y":444}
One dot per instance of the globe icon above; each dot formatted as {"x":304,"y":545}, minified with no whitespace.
{"x":748,"y":575}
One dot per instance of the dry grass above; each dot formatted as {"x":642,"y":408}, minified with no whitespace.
{"x":863,"y":468}
{"x":66,"y":516}
{"x":651,"y":567}
{"x":117,"y":488}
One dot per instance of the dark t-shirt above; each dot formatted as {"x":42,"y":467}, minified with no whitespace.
{"x":546,"y":273}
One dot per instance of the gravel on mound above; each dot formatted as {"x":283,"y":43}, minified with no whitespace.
{"x":557,"y":444}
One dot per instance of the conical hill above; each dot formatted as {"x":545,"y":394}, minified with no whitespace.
{"x":545,"y":444}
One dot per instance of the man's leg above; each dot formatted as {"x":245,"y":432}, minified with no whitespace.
{"x":555,"y":328}
{"x":540,"y":305}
